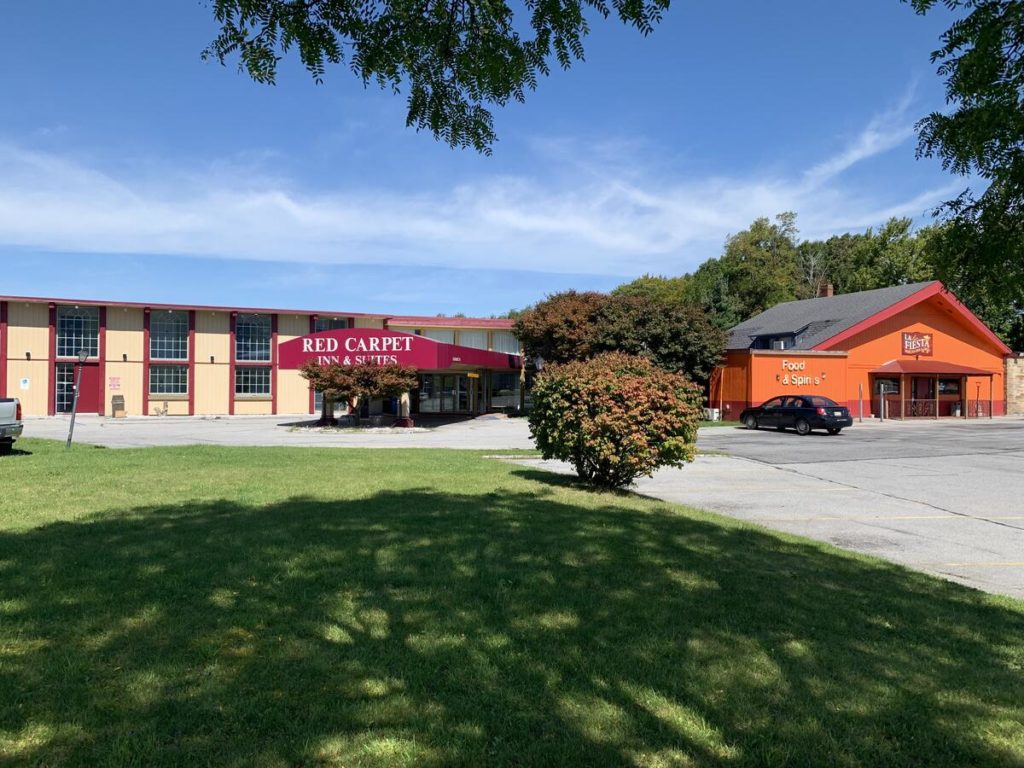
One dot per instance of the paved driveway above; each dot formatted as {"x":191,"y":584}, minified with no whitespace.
{"x":943,"y":497}
{"x":487,"y":432}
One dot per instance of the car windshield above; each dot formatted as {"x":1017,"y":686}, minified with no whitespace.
{"x":822,"y":402}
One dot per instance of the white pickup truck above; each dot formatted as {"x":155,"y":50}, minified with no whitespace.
{"x":10,"y":423}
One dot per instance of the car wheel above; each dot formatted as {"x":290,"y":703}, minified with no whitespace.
{"x":834,"y":430}
{"x":6,"y":447}
{"x":802,"y":427}
{"x":750,"y":422}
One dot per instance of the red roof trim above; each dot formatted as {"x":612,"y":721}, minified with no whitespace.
{"x":932,"y":289}
{"x":975,"y":322}
{"x":454,"y":322}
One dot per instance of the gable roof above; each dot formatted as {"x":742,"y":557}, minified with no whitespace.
{"x":814,"y":321}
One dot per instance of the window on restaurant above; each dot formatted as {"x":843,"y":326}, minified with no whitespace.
{"x":168,"y":335}
{"x":949,"y":386}
{"x":887,"y":386}
{"x":78,"y":328}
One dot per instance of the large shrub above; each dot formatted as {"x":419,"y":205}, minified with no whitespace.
{"x":615,"y":417}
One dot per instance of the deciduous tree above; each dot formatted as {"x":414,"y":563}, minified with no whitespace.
{"x":674,"y":336}
{"x":454,"y":58}
{"x":353,"y":382}
{"x":560,"y":328}
{"x":615,"y":417}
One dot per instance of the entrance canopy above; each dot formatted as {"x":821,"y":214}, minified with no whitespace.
{"x":354,"y":346}
{"x":928,"y":368}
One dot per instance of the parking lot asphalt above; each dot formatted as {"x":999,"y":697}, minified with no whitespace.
{"x":942,"y":497}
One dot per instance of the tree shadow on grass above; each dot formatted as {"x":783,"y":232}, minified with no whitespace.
{"x":424,"y":628}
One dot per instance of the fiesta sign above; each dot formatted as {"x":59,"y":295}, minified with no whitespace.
{"x":358,"y":346}
{"x":917,"y":343}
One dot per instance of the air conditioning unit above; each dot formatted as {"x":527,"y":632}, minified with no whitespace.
{"x":779,"y":344}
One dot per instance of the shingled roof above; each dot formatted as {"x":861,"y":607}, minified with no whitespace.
{"x":813,"y":321}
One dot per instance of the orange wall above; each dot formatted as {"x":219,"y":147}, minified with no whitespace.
{"x":752,"y":376}
{"x":953,"y":341}
{"x":786,"y":373}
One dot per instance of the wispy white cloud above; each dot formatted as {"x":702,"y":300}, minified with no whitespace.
{"x":599,"y":212}
{"x":884,"y":132}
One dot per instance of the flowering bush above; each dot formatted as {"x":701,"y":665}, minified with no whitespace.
{"x":615,"y":417}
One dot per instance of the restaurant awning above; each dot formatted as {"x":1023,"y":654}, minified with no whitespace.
{"x":928,"y":368}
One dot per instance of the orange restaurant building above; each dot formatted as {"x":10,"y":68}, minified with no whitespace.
{"x":900,"y":352}
{"x":185,"y":360}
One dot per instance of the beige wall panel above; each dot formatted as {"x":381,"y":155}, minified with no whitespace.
{"x":292,"y":393}
{"x":369,"y":322}
{"x":174,"y":407}
{"x":33,"y":400}
{"x":211,"y":389}
{"x":213,"y":338}
{"x":403,"y":328}
{"x":290,"y":326}
{"x":28,"y":330}
{"x":124,"y":334}
{"x":252,"y":407}
{"x":130,"y":375}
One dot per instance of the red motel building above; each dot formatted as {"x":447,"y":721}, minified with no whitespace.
{"x":182,"y":360}
{"x":913,"y":350}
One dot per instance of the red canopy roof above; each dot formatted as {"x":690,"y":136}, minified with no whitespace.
{"x":933,"y":367}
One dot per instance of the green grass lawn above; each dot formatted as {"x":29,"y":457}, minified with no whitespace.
{"x":278,"y":607}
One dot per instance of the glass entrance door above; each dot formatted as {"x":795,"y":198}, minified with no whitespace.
{"x":448,"y":393}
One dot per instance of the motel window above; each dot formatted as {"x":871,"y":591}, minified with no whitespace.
{"x":504,"y":341}
{"x":168,"y":380}
{"x":168,"y":335}
{"x":505,"y":390}
{"x":473,"y":339}
{"x":252,"y":381}
{"x":252,"y":338}
{"x":330,"y":324}
{"x":78,"y":328}
{"x":440,"y":334}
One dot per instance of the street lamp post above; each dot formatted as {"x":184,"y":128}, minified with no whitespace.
{"x":82,"y":357}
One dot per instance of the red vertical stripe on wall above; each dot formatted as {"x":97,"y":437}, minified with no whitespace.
{"x":103,"y":361}
{"x":51,"y":361}
{"x":312,"y":394}
{"x":231,"y":365}
{"x":145,"y":361}
{"x":4,"y":352}
{"x":192,"y":362}
{"x":273,"y":364}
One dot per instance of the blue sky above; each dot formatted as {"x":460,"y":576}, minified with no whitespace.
{"x":132,"y":170}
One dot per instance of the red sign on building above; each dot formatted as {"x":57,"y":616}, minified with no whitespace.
{"x":917,"y":343}
{"x":355,"y":346}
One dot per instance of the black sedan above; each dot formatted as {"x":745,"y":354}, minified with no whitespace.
{"x":801,"y":412}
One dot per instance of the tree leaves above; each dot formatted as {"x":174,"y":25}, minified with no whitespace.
{"x":454,"y":58}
